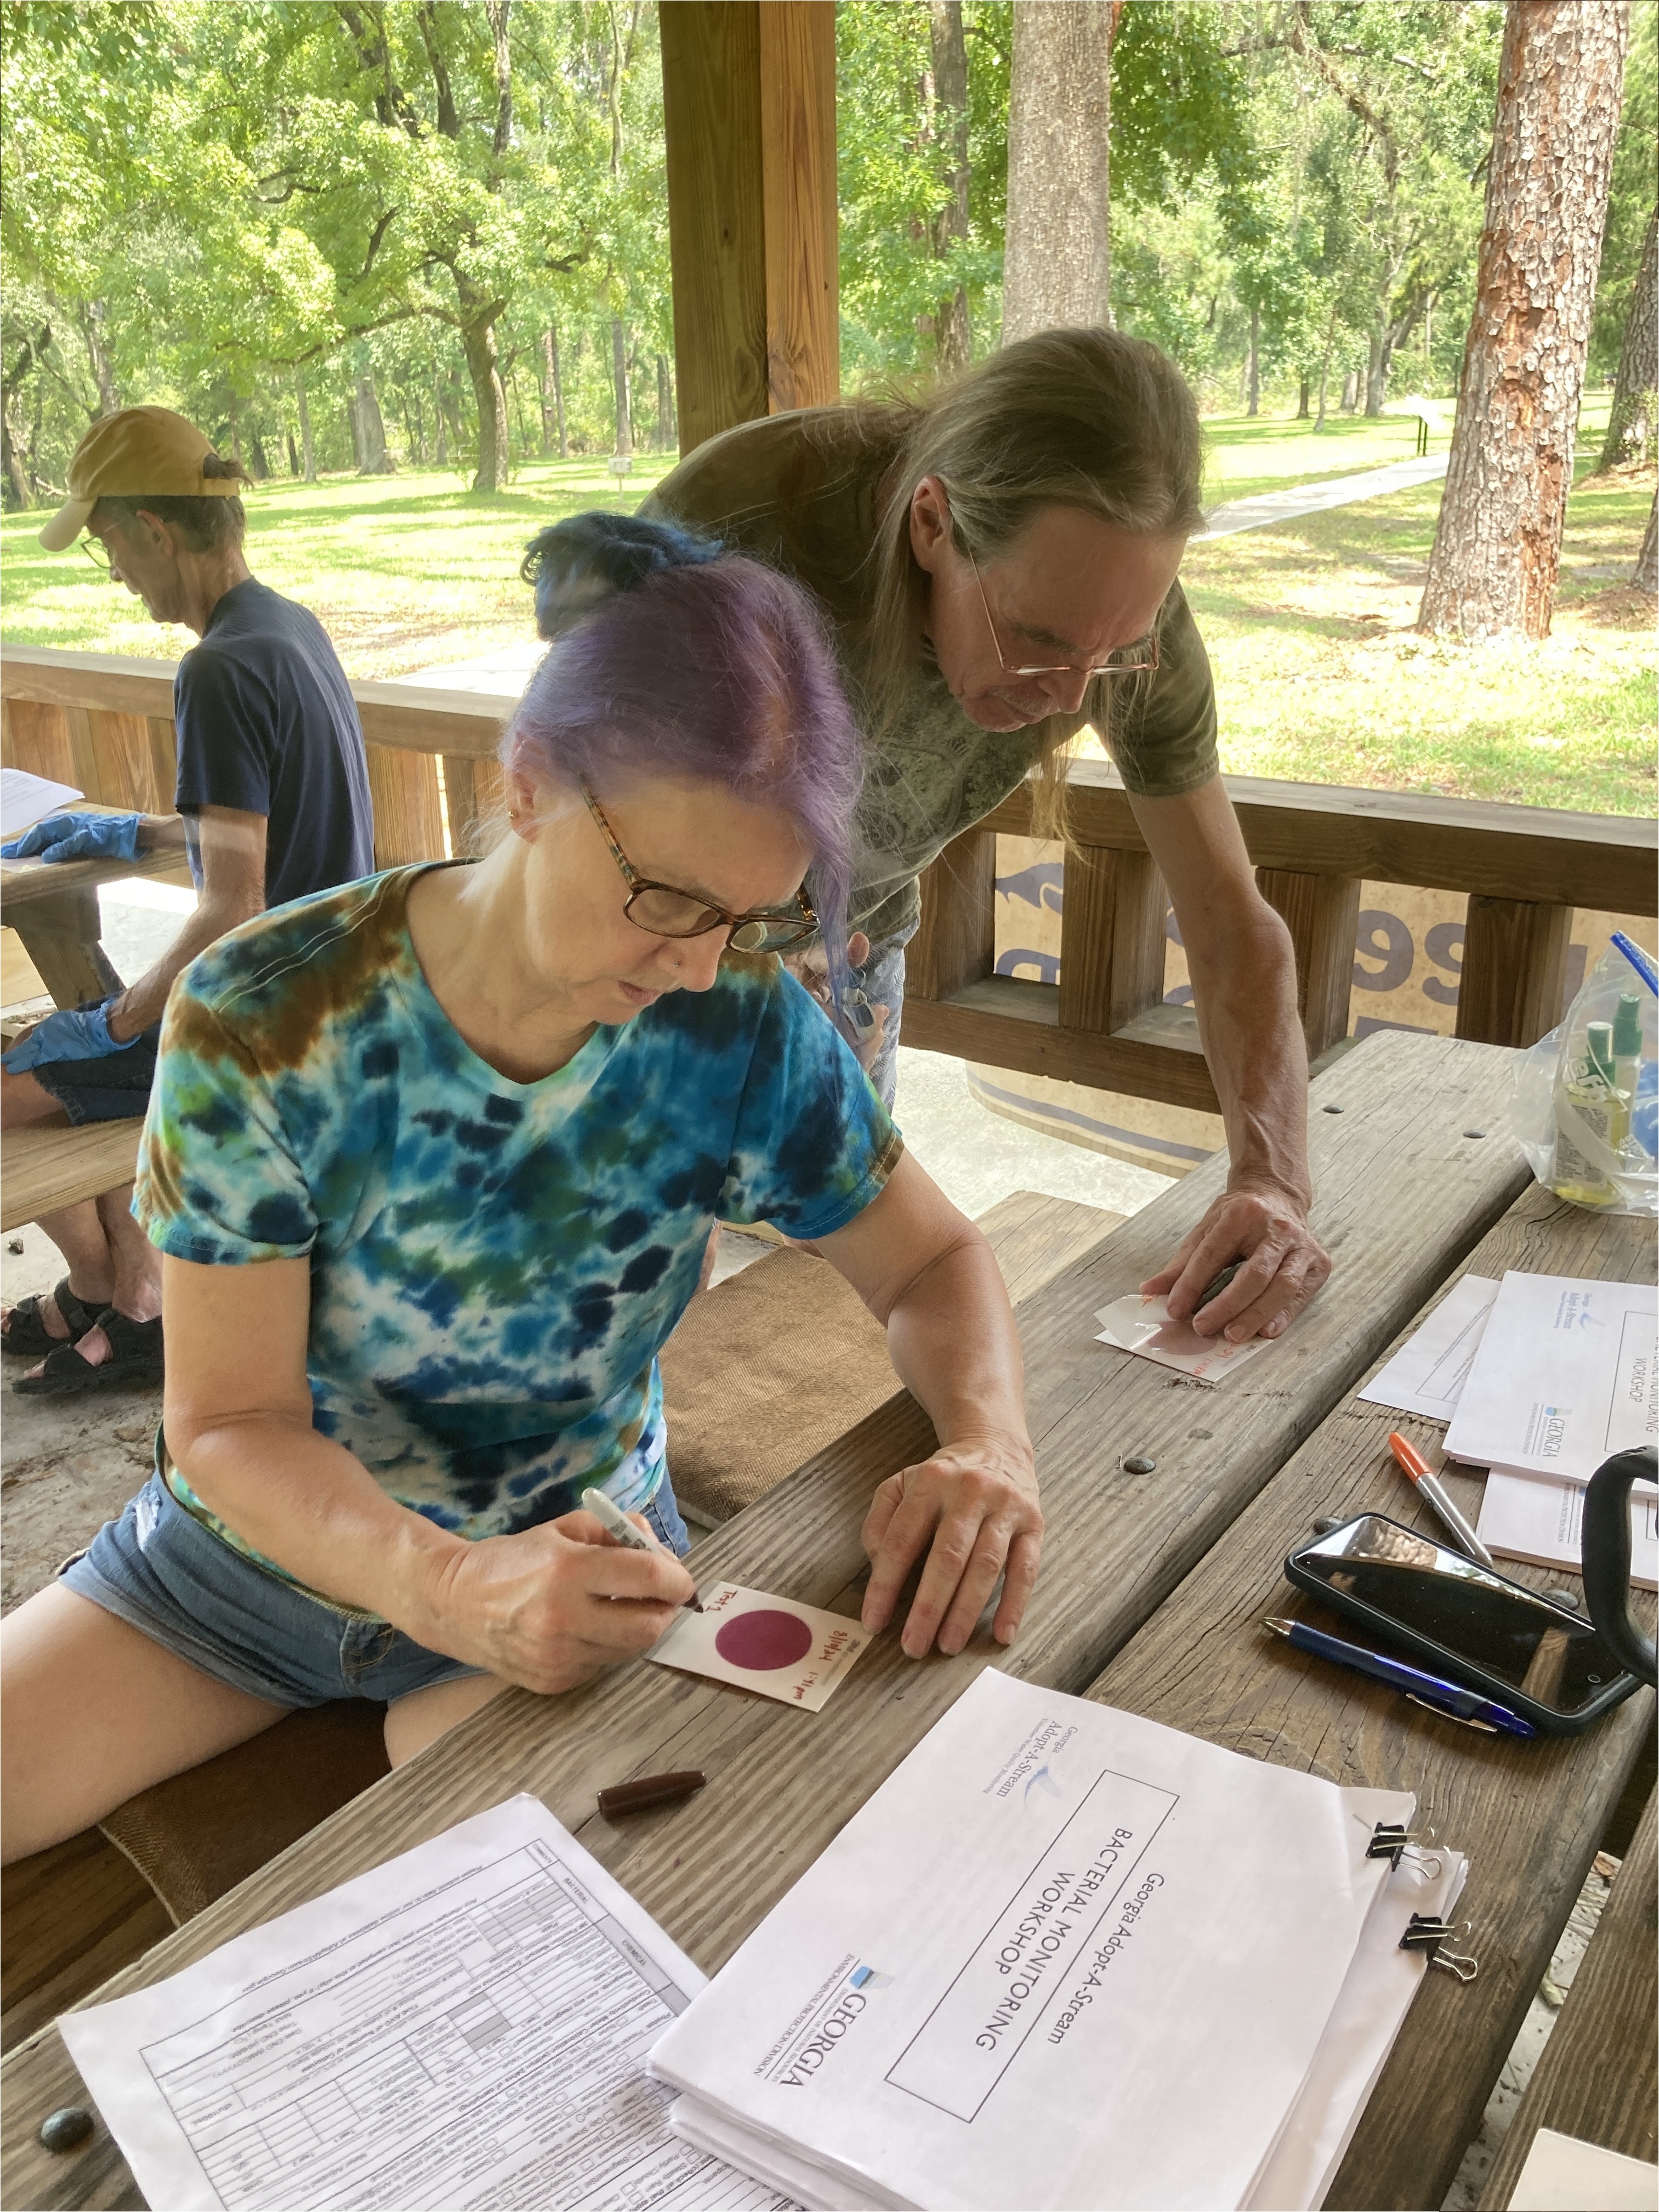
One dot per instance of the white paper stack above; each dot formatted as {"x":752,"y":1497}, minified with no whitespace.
{"x":1565,"y":1375}
{"x":1064,"y":1958}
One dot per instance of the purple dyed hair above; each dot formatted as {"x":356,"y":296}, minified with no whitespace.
{"x":717,"y":673}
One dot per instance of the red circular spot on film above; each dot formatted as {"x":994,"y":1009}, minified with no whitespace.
{"x":764,"y":1641}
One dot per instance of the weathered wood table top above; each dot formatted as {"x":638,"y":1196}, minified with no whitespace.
{"x":1598,"y":2080}
{"x":1414,"y":1164}
{"x":1529,"y":1815}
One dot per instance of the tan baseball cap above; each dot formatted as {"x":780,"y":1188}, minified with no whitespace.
{"x":140,"y":453}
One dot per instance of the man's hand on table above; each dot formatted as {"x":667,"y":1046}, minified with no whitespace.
{"x":1264,"y":1226}
{"x":972,"y":1509}
{"x":548,"y":1608}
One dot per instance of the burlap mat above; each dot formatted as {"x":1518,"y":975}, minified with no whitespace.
{"x":765,"y":1370}
{"x":198,"y":1835}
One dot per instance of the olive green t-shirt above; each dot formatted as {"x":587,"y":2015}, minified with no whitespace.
{"x":799,"y":491}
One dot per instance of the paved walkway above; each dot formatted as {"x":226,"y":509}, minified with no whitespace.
{"x":1285,"y":506}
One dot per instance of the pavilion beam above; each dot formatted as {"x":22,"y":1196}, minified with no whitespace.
{"x":748,"y":108}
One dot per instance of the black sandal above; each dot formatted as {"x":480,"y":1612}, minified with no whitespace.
{"x":135,"y":1357}
{"x":25,"y":1336}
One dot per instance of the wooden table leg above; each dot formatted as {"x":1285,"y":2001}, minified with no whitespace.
{"x":61,"y":936}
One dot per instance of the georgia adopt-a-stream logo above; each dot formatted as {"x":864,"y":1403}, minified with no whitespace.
{"x":817,"y":2032}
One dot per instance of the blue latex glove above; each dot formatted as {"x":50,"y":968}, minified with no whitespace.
{"x":69,"y":1034}
{"x":77,"y":837}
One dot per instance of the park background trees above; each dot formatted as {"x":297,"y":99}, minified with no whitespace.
{"x":355,"y":235}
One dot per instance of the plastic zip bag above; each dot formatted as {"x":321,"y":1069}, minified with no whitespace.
{"x":1585,"y":1103}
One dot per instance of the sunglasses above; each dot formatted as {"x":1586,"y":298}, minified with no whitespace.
{"x":664,"y":912}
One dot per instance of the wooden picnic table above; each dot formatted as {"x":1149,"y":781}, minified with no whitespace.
{"x":1414,"y":1165}
{"x":1598,"y":2080}
{"x":53,"y":907}
{"x":1529,"y":1815}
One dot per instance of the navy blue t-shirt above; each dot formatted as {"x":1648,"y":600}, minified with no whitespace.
{"x":267,"y":723}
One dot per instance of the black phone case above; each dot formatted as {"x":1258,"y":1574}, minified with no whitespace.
{"x":1453,"y":1664}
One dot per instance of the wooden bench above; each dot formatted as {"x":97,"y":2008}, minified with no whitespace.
{"x":42,"y":1169}
{"x":1530,"y":1815}
{"x":1598,"y":2079}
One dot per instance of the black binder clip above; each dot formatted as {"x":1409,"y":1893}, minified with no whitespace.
{"x":1427,"y":1933}
{"x":1388,"y":1839}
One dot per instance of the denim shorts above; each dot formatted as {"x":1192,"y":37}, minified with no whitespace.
{"x":115,"y":1087}
{"x":161,"y":1570}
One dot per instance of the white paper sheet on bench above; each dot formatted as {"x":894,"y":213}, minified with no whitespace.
{"x":464,"y":2025}
{"x":1427,"y":1375}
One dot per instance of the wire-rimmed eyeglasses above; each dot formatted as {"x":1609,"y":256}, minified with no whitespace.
{"x":97,"y":552}
{"x":663,"y":911}
{"x":1138,"y":659}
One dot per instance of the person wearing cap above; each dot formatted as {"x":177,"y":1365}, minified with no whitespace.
{"x":272,"y":803}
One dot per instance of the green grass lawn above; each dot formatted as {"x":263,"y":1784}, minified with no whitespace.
{"x":1319,"y":674}
{"x":404,"y":572}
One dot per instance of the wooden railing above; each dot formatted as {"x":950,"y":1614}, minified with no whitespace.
{"x":1525,"y":869}
{"x":104,"y":723}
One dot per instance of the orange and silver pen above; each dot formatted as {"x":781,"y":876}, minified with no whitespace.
{"x":1422,"y":1474}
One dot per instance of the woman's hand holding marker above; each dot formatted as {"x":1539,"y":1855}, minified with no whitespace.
{"x":548,"y":1608}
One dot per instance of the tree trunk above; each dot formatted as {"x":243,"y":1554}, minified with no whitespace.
{"x":1304,"y":398}
{"x":953,"y":336}
{"x":619,"y":382}
{"x":668,"y":435}
{"x":1630,"y":426}
{"x":442,"y":457}
{"x":258,"y":460}
{"x":479,"y":339}
{"x":373,"y":459}
{"x":1350,"y":399}
{"x":307,"y":451}
{"x":16,"y":488}
{"x":356,"y":433}
{"x":1252,"y":374}
{"x":555,"y":392}
{"x":1646,"y":577}
{"x":1377,"y":361}
{"x":92,"y":329}
{"x":1058,"y":264}
{"x":1498,"y":544}
{"x":292,"y":453}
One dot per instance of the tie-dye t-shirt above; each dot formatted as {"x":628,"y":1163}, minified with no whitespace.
{"x":493,"y":1264}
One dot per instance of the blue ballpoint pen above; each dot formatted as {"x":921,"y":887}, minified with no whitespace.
{"x":1448,"y":1698}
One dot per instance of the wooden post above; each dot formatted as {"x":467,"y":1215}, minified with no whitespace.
{"x":408,"y":821}
{"x":472,"y":788}
{"x":957,"y":943}
{"x":1515,"y":967}
{"x":1111,"y":938}
{"x":749,"y":111}
{"x":1322,"y":914}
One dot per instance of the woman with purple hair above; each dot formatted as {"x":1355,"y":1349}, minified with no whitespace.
{"x":433,"y":1161}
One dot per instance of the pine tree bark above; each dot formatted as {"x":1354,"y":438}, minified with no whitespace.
{"x":1498,"y":544}
{"x":619,"y":382}
{"x":1057,"y":268}
{"x":1632,"y":425}
{"x":953,"y":335}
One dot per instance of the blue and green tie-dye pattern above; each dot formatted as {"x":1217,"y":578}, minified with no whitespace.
{"x":494,"y":1265}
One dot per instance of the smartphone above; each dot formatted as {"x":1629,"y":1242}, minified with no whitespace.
{"x":1466,"y":1622}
